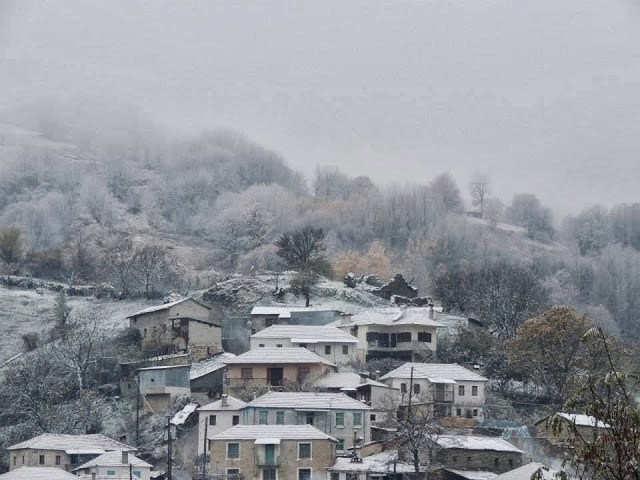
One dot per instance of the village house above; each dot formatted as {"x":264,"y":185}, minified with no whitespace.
{"x":398,"y":286}
{"x":360,"y":387}
{"x":278,"y":368}
{"x":216,"y":417}
{"x":115,"y":465}
{"x":402,"y":333}
{"x":38,"y":473}
{"x":129,"y":370}
{"x":182,"y":326}
{"x":328,"y":342}
{"x":565,"y":424}
{"x":62,"y":451}
{"x":208,"y":375}
{"x":336,"y":414}
{"x":379,"y":466}
{"x":160,"y":386}
{"x":271,"y":452}
{"x":264,"y":317}
{"x":476,"y":453}
{"x":454,"y":390}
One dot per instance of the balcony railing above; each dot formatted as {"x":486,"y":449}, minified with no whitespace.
{"x":241,"y":382}
{"x":265,"y":461}
{"x":413,"y":346}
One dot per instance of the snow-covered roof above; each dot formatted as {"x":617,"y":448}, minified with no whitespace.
{"x":476,"y":442}
{"x":308,"y":400}
{"x":285,"y":312}
{"x":181,"y":417}
{"x":163,"y":367}
{"x":72,"y":443}
{"x":582,"y":420}
{"x":378,"y":463}
{"x":346,"y":380}
{"x":436,"y":372}
{"x":393,"y":316}
{"x":114,"y":459}
{"x":233,"y":403}
{"x":527,"y":471}
{"x":283,"y":432}
{"x":209,"y":365}
{"x":38,"y":473}
{"x":306,"y":334}
{"x":165,"y":306}
{"x":278,"y":356}
{"x":476,"y":475}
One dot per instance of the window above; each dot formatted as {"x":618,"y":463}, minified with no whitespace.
{"x":235,"y":420}
{"x":279,"y":345}
{"x":269,"y":474}
{"x":340,"y":445}
{"x":304,"y":474}
{"x":246,"y":373}
{"x":339,"y":419}
{"x":474,"y":391}
{"x":424,"y":337}
{"x":461,"y":390}
{"x":304,"y":450}
{"x":23,"y":459}
{"x":302,"y":345}
{"x":416,"y":388}
{"x":372,"y":417}
{"x":309,"y":418}
{"x":403,"y":388}
{"x":263,"y":415}
{"x":357,"y":419}
{"x":137,"y":474}
{"x":279,"y":418}
{"x":233,"y":450}
{"x":144,"y":335}
{"x":468,"y":460}
{"x":303,"y":373}
{"x":111,"y":473}
{"x":404,"y":337}
{"x":261,"y":345}
{"x":455,"y":459}
{"x":458,"y":412}
{"x":335,"y":475}
{"x":327,"y":349}
{"x":41,"y":461}
{"x":212,"y":420}
{"x":496,"y":462}
{"x":233,"y":473}
{"x":58,"y":460}
{"x":345,"y":349}
{"x":475,"y":412}
{"x":511,"y":463}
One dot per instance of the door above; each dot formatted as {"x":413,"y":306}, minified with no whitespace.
{"x":274,"y":376}
{"x":269,"y":454}
{"x":392,"y":343}
{"x":439,"y":392}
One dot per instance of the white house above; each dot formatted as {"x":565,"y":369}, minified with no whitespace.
{"x":116,"y":465}
{"x":216,"y":417}
{"x":328,"y":342}
{"x":454,"y":390}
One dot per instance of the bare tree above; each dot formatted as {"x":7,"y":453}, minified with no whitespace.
{"x":10,"y":248}
{"x":479,"y":191}
{"x":151,"y":266}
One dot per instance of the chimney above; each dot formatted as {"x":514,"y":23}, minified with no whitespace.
{"x":93,"y":476}
{"x":432,"y":312}
{"x":225,"y":402}
{"x":125,"y":457}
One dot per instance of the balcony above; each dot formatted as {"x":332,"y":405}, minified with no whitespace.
{"x":267,"y":461}
{"x":241,"y":382}
{"x":383,"y":346}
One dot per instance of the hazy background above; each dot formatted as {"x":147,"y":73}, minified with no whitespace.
{"x":542,"y":95}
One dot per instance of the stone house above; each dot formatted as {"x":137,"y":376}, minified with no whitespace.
{"x":330,"y":343}
{"x":216,"y":417}
{"x":477,"y":453}
{"x":184,"y":326}
{"x":402,"y":333}
{"x":62,"y":451}
{"x":271,"y":452}
{"x":397,"y":286}
{"x":585,"y":426}
{"x":116,"y":465}
{"x":160,"y":386}
{"x":336,"y":414}
{"x":277,"y":368}
{"x":379,"y":466}
{"x":453,"y":390}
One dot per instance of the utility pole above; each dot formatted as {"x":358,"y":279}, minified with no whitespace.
{"x":168,"y":447}
{"x":204,"y":449}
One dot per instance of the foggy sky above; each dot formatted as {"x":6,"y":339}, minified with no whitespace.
{"x":543,"y":95}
